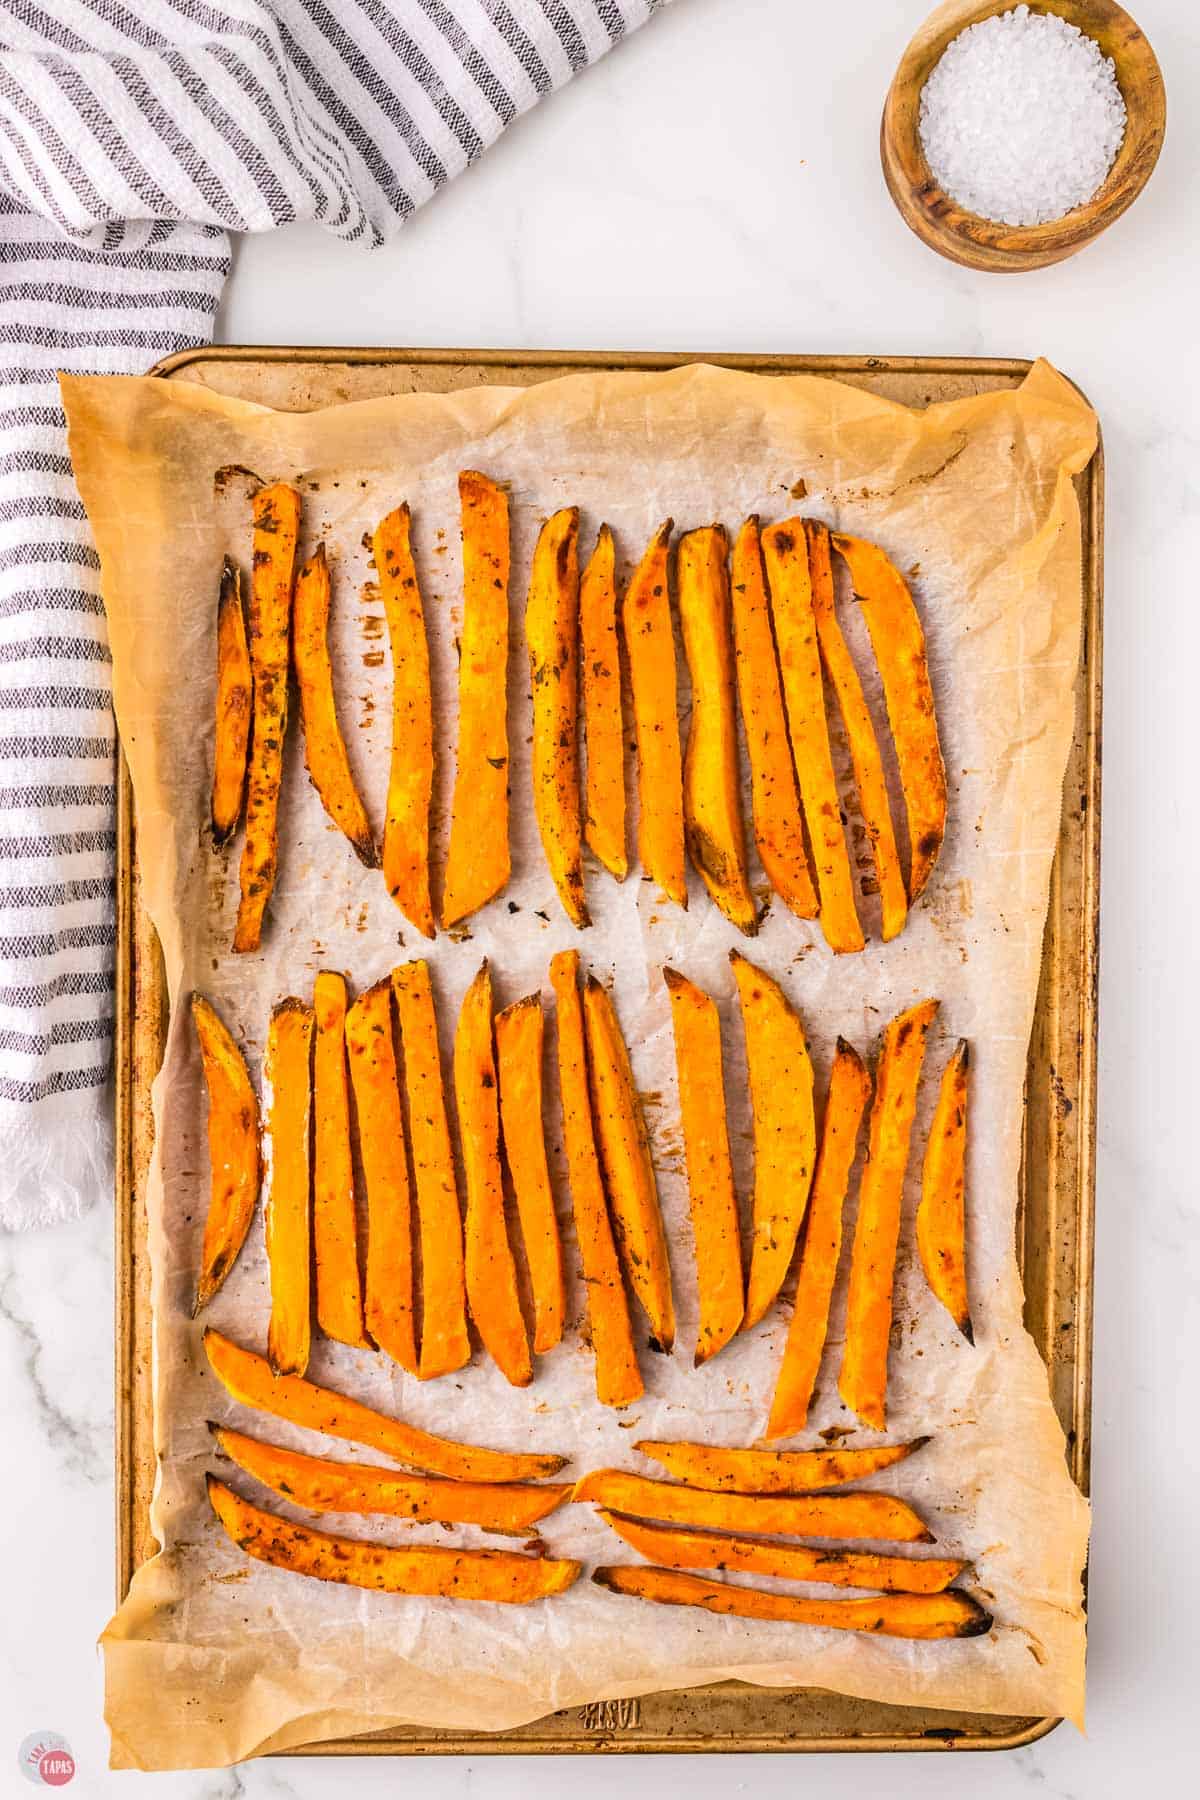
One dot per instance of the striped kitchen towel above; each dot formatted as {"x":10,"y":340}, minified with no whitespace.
{"x":134,"y":136}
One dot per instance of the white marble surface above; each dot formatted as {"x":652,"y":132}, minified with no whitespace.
{"x":715,"y":185}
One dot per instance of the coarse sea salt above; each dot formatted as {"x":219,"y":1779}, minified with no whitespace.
{"x":1021,"y":118}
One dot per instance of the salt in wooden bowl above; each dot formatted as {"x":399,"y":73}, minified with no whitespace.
{"x":981,"y":243}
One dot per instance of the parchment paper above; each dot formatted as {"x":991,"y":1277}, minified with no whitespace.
{"x":213,"y":1658}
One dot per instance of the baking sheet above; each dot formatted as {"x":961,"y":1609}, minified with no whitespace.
{"x":978,"y":494}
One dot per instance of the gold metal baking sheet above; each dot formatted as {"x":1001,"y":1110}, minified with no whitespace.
{"x":1054,"y":1220}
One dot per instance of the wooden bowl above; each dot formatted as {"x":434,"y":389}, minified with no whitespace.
{"x":984,"y":243}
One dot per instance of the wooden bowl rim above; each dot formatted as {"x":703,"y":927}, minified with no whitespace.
{"x":936,"y":216}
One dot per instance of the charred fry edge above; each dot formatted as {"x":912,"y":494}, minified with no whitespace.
{"x":276,"y":529}
{"x":235,"y":702}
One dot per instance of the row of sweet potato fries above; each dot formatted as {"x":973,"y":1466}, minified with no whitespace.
{"x":772,"y":632}
{"x":317,"y":1056}
{"x":712,"y":1517}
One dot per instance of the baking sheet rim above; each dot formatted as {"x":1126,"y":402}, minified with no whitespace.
{"x":129,"y":1020}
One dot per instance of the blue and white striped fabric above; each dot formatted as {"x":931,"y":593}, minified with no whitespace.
{"x":135,"y":135}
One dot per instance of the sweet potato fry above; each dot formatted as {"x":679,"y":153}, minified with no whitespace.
{"x":650,"y":647}
{"x":445,"y":1345}
{"x":552,"y":634}
{"x":683,"y":1549}
{"x":800,"y":665}
{"x":248,"y":1379}
{"x":233,"y":1151}
{"x":618,"y":1379}
{"x":928,"y":1616}
{"x":898,"y":641}
{"x":772,"y":1471}
{"x":324,"y":747}
{"x":477,"y":862}
{"x":341,"y":1487}
{"x":604,"y":793}
{"x":503,"y":1575}
{"x":781,"y":1097}
{"x":712,"y":810}
{"x":940,"y":1216}
{"x":710,"y":1173}
{"x":862,"y":1382}
{"x":288,"y":1085}
{"x":276,"y":529}
{"x":519,"y":1033}
{"x":628,"y":1170}
{"x":865,"y":759}
{"x":335,"y":1223}
{"x":775,"y":802}
{"x":410,"y":772}
{"x":388,"y":1299}
{"x":879,"y":1517}
{"x":491,"y":1272}
{"x":235,"y":697}
{"x":849,"y":1091}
